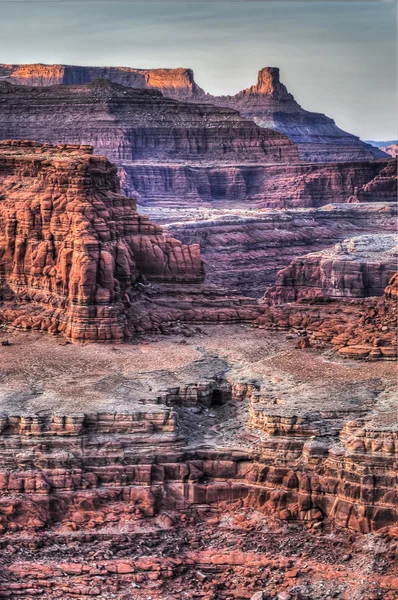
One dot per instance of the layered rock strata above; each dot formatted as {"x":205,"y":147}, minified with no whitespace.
{"x":77,"y":259}
{"x":244,"y":249}
{"x":268,"y":103}
{"x":357,"y":267}
{"x":171,"y":153}
{"x":129,"y":124}
{"x":257,"y":186}
{"x":180,"y":454}
{"x":314,"y":297}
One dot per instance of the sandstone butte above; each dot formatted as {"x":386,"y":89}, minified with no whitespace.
{"x":268,"y":103}
{"x":217,"y":462}
{"x":77,"y":259}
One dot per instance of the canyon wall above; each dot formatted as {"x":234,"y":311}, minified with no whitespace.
{"x":171,"y":153}
{"x":191,"y":477}
{"x":244,"y":250}
{"x":129,"y":124}
{"x":255,"y":186}
{"x":268,"y":103}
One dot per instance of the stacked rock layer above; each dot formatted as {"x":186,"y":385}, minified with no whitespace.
{"x":268,"y":103}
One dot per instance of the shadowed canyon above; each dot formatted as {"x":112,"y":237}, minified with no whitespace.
{"x":198,"y":326}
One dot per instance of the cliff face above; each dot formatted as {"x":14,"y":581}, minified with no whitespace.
{"x":175,"y":83}
{"x":179,"y":154}
{"x":355,"y":268}
{"x":268,"y":103}
{"x":129,"y":124}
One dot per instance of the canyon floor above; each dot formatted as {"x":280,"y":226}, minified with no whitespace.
{"x":224,"y":387}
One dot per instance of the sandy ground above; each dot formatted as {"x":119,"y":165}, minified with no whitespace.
{"x":39,"y":373}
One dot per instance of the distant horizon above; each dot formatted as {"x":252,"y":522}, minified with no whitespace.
{"x":336,"y":58}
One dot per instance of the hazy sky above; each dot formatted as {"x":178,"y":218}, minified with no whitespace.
{"x":335,"y":57}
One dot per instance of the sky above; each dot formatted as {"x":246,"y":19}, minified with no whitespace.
{"x":336,"y":57}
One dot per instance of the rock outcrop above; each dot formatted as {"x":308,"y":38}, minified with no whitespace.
{"x":77,"y":259}
{"x":383,"y":187}
{"x":176,"y":473}
{"x":360,"y":329}
{"x":313,"y":296}
{"x":357,"y":267}
{"x":268,"y":103}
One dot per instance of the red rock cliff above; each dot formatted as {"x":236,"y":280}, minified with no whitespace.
{"x":73,"y":245}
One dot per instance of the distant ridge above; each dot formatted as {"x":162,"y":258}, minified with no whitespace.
{"x":268,"y":103}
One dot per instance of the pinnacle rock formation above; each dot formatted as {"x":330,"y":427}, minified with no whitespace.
{"x":268,"y":103}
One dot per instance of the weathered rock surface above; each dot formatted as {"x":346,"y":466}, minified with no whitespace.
{"x":383,"y":187}
{"x":222,"y":469}
{"x":77,"y":259}
{"x":171,"y":153}
{"x":357,"y":267}
{"x":129,"y":124}
{"x":268,"y":103}
{"x":244,"y":249}
{"x":313,"y":296}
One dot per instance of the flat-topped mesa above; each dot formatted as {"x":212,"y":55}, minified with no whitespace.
{"x":128,"y":124}
{"x":357,"y":267}
{"x":72,"y":248}
{"x":268,"y":103}
{"x":179,"y":83}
